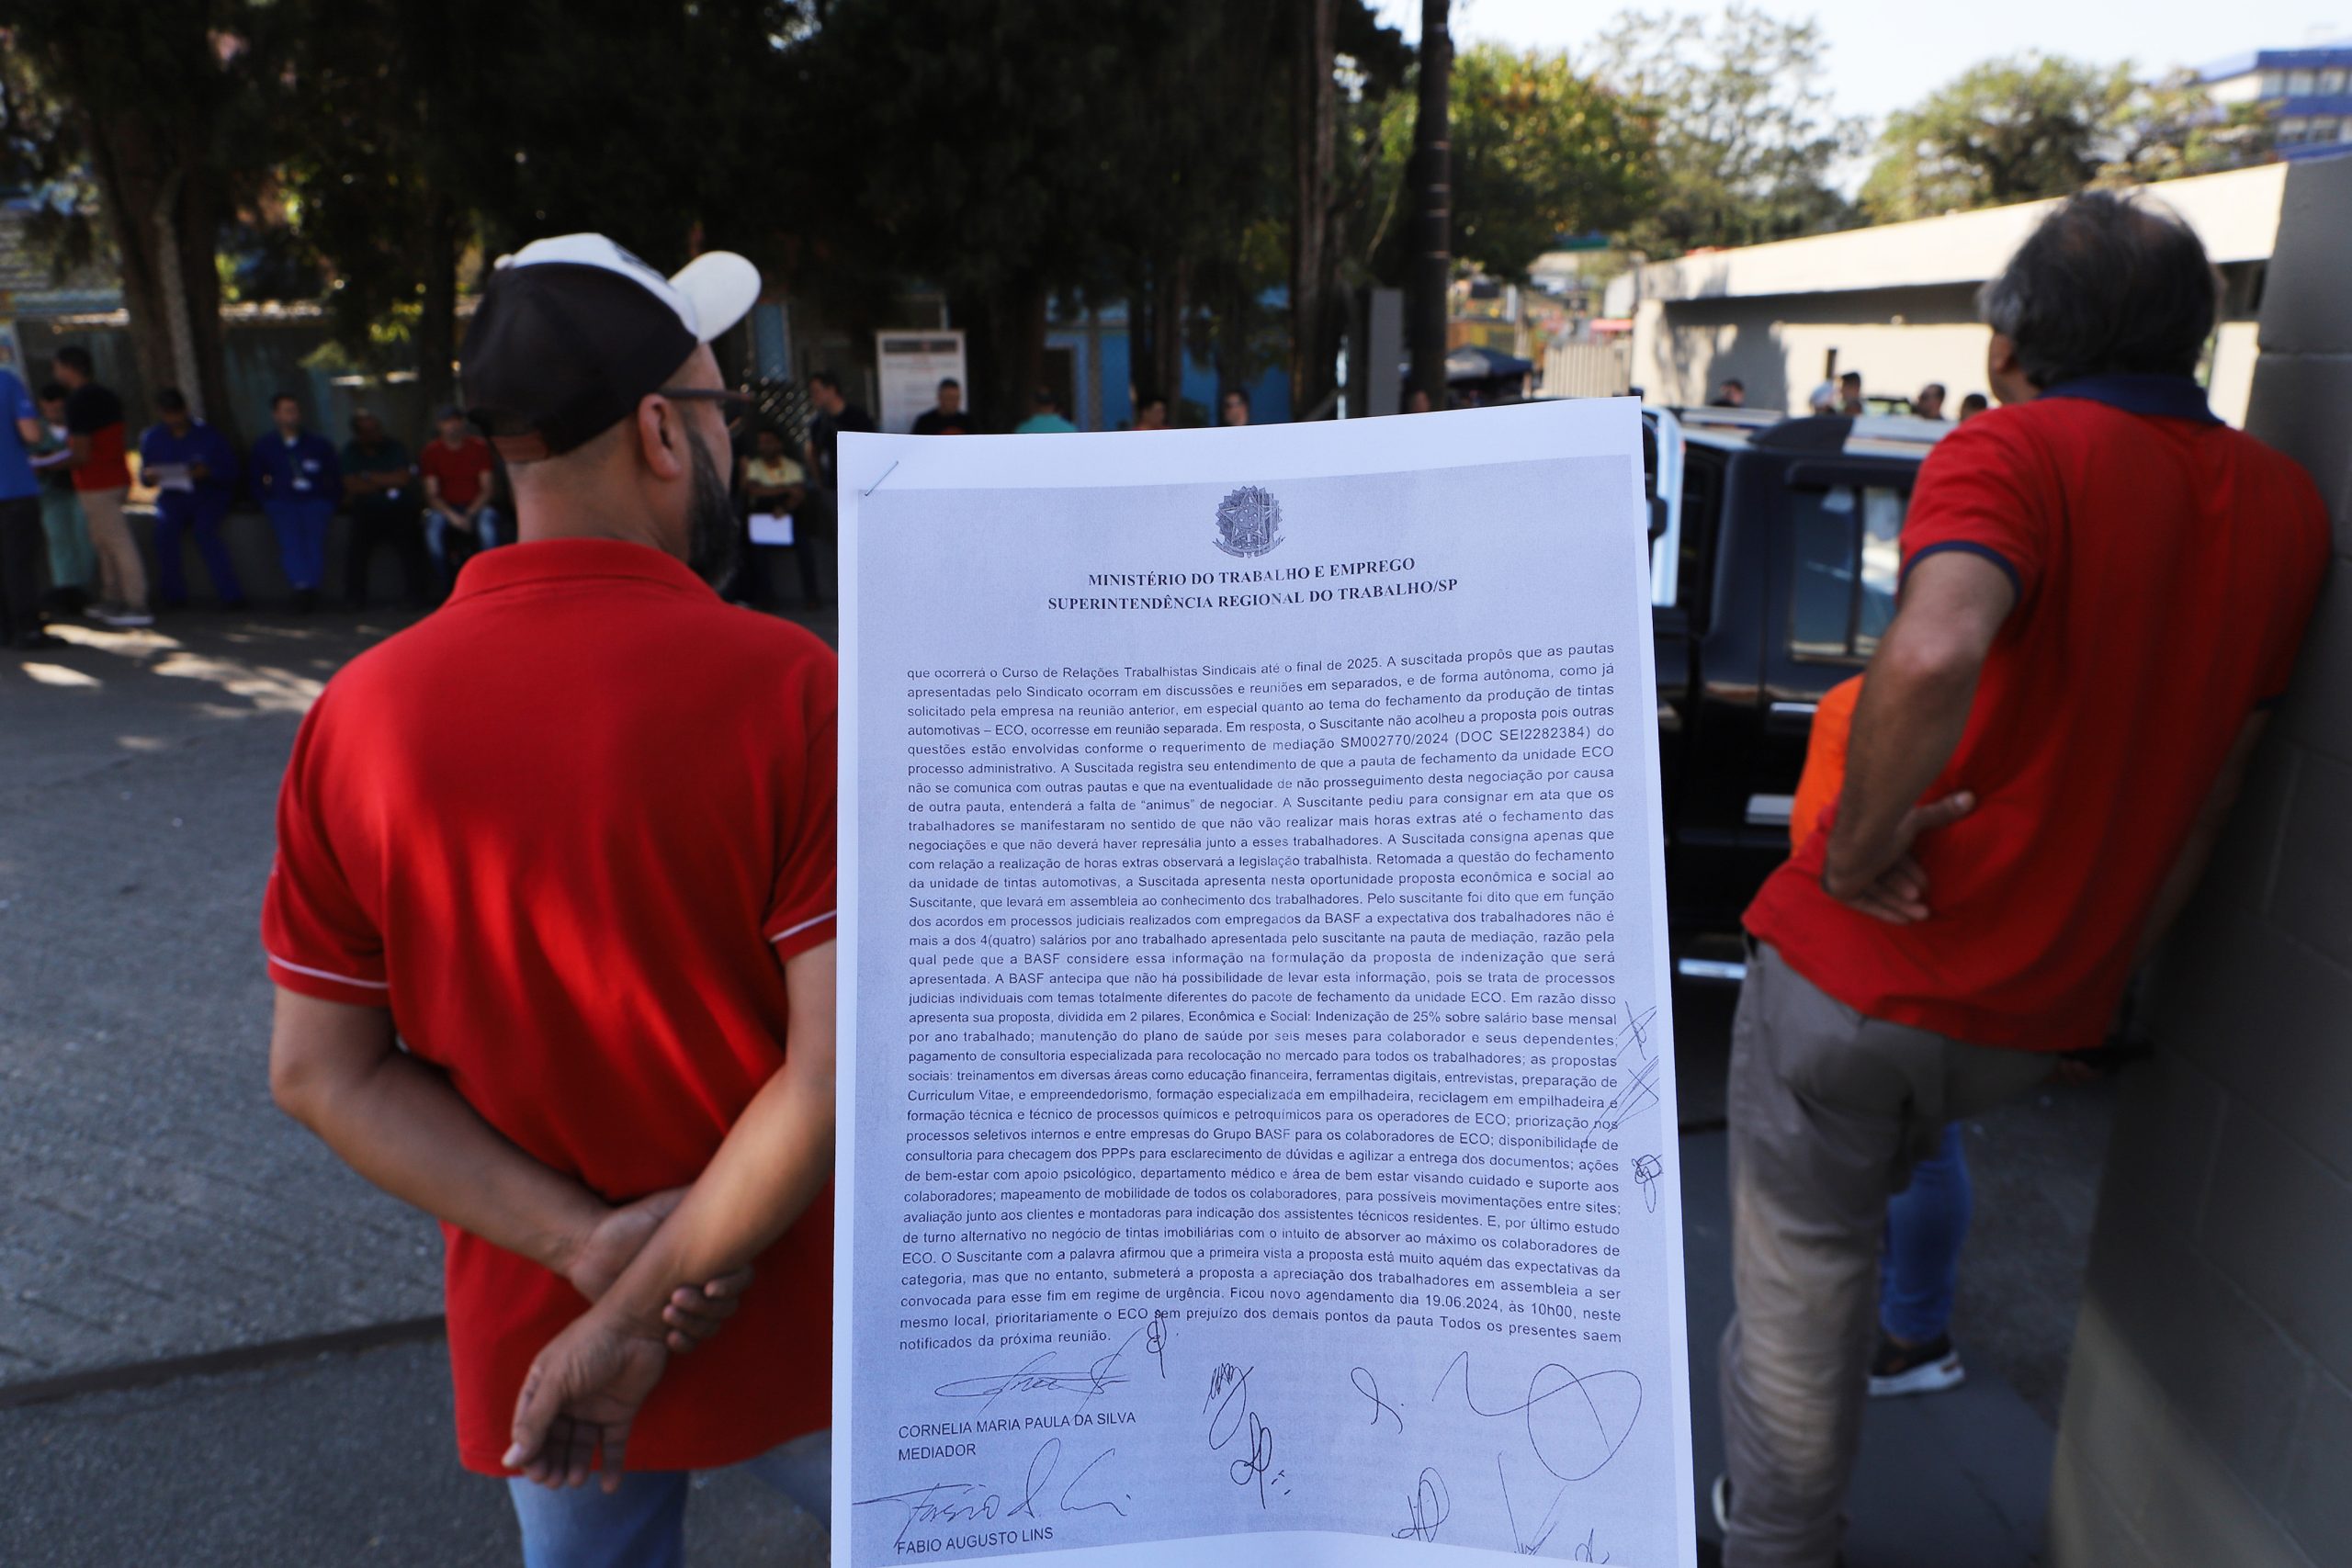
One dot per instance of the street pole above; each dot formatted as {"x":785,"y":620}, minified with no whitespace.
{"x":1433,"y":267}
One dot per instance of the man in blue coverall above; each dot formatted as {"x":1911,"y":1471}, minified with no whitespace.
{"x":300,"y":481}
{"x":194,"y":470}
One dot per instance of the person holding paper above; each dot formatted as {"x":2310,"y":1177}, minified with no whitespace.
{"x":193,"y":469}
{"x":554,"y":959}
{"x":774,"y":489}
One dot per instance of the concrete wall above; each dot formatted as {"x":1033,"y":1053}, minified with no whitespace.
{"x":1900,"y":339}
{"x":2208,"y":1408}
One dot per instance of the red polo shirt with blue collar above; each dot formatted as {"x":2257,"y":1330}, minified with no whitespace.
{"x":2165,"y":566}
{"x":567,"y":829}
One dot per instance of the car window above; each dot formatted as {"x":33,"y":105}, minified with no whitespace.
{"x":1847,"y":563}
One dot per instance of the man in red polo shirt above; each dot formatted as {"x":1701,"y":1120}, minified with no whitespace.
{"x":593,"y":901}
{"x":2103,"y":585}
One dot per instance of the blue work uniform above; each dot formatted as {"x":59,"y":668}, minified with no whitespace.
{"x":197,"y":507}
{"x":299,"y":483}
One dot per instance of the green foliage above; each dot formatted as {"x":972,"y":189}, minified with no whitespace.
{"x":2005,"y":130}
{"x":1745,"y":135}
{"x":1539,"y":150}
{"x":2173,"y":127}
{"x":2036,"y":126}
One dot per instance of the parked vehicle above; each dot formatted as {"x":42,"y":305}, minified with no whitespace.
{"x":1774,"y":564}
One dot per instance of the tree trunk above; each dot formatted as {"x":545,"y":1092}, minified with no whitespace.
{"x":437,"y":322}
{"x":1433,"y":263}
{"x":1143,"y":337}
{"x":1007,"y":350}
{"x":1313,"y":107}
{"x":162,"y":211}
{"x":1168,"y":332}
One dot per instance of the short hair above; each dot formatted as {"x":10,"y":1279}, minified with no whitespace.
{"x":2105,"y":283}
{"x":448,"y":411}
{"x":1935,"y":386}
{"x":1975,"y":400}
{"x":285,"y":398}
{"x":1853,"y":376}
{"x":1151,"y":399}
{"x":359,"y":413}
{"x":1241,"y":392}
{"x":947,"y":381}
{"x":1045,"y":399}
{"x":1735,"y":383}
{"x":55,"y":391}
{"x":75,"y":354}
{"x":825,"y":378}
{"x":170,"y":399}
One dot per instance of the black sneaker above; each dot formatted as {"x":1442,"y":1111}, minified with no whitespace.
{"x":1898,"y":1370}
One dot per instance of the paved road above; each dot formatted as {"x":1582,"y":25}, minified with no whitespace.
{"x":161,"y":1209}
{"x":160,"y":1206}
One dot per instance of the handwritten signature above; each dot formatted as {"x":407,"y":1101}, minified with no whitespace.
{"x":950,"y":1503}
{"x":1032,"y":1376}
{"x":1369,"y":1386}
{"x":1574,"y":1425}
{"x":1428,"y":1507}
{"x":1229,"y":1413}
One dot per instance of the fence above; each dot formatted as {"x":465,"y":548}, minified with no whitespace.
{"x":1604,"y":369}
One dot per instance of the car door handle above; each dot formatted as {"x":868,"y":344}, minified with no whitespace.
{"x":1789,"y":718}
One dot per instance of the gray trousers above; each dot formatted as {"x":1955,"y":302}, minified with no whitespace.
{"x":1828,"y":1110}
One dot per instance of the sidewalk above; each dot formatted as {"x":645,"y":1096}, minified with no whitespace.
{"x":162,"y":1209}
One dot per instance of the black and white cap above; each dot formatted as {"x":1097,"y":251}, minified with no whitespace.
{"x":573,"y":331}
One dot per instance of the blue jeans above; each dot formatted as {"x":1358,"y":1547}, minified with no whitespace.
{"x":177,"y":513}
{"x":643,"y":1524}
{"x":451,"y":547}
{"x":1926,"y":1223}
{"x":301,"y":524}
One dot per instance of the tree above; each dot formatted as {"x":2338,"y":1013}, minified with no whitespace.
{"x":154,"y":110}
{"x":1540,"y":151}
{"x":2172,"y":127}
{"x":2006,"y":130}
{"x":1745,"y":136}
{"x":2036,"y":126}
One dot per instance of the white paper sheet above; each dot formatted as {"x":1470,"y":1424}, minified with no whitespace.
{"x":770,"y":527}
{"x":1257,"y":1117}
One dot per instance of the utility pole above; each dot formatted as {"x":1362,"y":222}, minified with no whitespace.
{"x":1313,"y":108}
{"x":1432,"y":250}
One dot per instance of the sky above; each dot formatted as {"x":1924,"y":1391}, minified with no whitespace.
{"x":1887,"y":54}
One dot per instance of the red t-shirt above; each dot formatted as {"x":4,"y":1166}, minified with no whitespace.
{"x":462,"y":470}
{"x":94,"y":411}
{"x":2164,"y":569}
{"x":567,"y":829}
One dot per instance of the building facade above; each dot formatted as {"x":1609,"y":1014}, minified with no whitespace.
{"x":2306,"y":94}
{"x":1898,"y":302}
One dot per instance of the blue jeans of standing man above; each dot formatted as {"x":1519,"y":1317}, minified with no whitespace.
{"x":1926,"y":1223}
{"x":301,"y":523}
{"x":643,"y":1524}
{"x":179,"y":512}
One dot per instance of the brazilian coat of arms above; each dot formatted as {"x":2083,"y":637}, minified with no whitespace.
{"x":1248,"y":521}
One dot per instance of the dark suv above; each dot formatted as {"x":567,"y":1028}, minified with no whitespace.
{"x":1774,"y":559}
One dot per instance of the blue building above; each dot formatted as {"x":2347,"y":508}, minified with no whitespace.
{"x":2307,"y":94}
